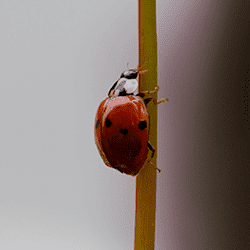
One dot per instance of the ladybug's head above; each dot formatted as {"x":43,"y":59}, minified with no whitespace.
{"x":132,"y":73}
{"x":127,"y":84}
{"x":129,"y":74}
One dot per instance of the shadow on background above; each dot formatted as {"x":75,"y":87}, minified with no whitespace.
{"x":203,"y":199}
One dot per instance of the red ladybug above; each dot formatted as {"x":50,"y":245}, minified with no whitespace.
{"x":122,"y":125}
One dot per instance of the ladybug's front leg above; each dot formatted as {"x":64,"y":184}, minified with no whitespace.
{"x":144,"y":93}
{"x":152,"y":92}
{"x":156,"y":102}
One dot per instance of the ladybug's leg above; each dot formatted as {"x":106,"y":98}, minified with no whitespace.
{"x":150,"y":146}
{"x":154,"y":166}
{"x":146,"y":101}
{"x":156,"y":102}
{"x":143,"y":93}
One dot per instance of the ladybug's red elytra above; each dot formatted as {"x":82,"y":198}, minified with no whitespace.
{"x":122,"y":125}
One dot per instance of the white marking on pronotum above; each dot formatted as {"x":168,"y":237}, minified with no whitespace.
{"x":129,"y":85}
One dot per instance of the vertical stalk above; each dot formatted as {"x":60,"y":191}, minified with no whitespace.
{"x":146,"y":180}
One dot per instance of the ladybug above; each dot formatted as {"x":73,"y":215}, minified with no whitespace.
{"x":122,"y":125}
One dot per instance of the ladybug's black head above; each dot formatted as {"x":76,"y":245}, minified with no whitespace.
{"x":132,"y":73}
{"x":129,"y":74}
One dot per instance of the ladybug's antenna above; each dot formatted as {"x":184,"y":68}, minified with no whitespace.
{"x":127,"y":66}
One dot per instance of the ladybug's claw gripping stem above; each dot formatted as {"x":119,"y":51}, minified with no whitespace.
{"x":154,"y":166}
{"x":161,"y":101}
{"x":150,"y":146}
{"x":152,"y":92}
{"x":156,"y":89}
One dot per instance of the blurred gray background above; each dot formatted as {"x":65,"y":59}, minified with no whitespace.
{"x":58,"y":60}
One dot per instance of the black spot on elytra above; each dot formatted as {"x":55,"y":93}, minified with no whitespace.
{"x":108,"y":123}
{"x":97,"y":124}
{"x":124,"y":131}
{"x":142,"y":125}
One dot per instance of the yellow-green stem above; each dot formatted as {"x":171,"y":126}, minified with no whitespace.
{"x":146,"y":180}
